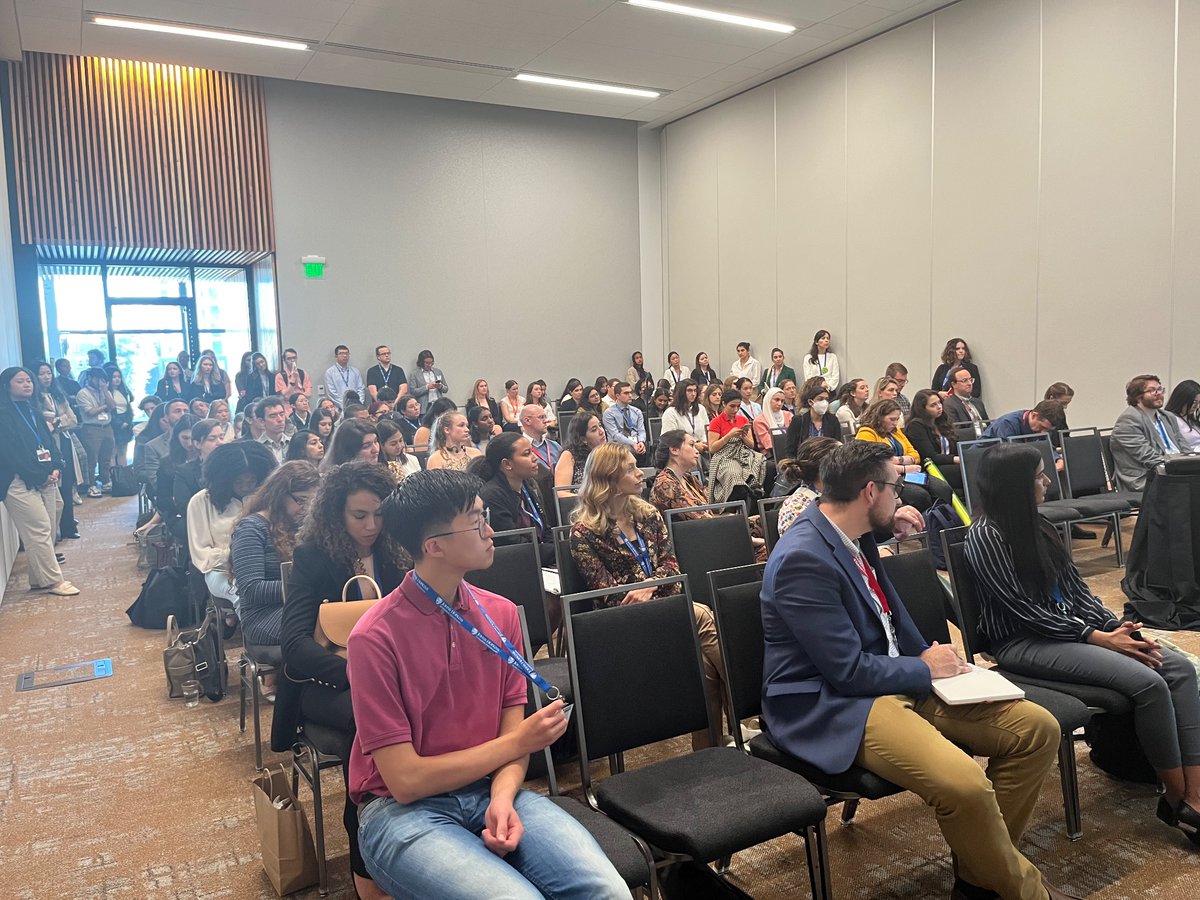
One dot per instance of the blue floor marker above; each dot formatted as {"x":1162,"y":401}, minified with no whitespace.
{"x":73,"y":673}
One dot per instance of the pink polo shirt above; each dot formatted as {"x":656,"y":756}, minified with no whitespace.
{"x":418,"y":677}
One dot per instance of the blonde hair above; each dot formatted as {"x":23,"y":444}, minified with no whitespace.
{"x":604,"y":467}
{"x":880,"y":385}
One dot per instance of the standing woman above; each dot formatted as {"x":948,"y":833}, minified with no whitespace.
{"x":1044,"y":622}
{"x":929,"y":431}
{"x":122,"y":421}
{"x":686,"y":414}
{"x":30,"y":469}
{"x":1185,"y":403}
{"x":354,"y":439}
{"x":584,"y":434}
{"x":636,"y":373}
{"x":341,"y":537}
{"x":96,"y":405}
{"x":173,"y":386}
{"x":772,"y":423}
{"x":675,"y":371}
{"x":821,"y":362}
{"x":391,"y":450}
{"x":703,"y":373}
{"x":509,"y":491}
{"x":451,"y":443}
{"x":510,"y":406}
{"x":301,"y":412}
{"x":853,"y":397}
{"x":956,"y":353}
{"x":777,"y":374}
{"x":260,"y":382}
{"x":241,"y":381}
{"x":619,"y":538}
{"x":50,"y":398}
{"x":427,"y":383}
{"x":206,"y":383}
{"x":813,"y":420}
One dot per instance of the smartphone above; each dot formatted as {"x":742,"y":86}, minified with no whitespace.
{"x":917,"y":478}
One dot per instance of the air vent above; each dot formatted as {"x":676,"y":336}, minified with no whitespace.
{"x":418,"y":59}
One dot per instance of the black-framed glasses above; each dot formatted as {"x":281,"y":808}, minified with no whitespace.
{"x":894,"y":485}
{"x":484,"y":521}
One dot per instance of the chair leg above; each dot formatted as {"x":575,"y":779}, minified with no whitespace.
{"x":1115,"y":525}
{"x":242,"y":661}
{"x":319,"y":825}
{"x":817,"y":855}
{"x":256,"y":698}
{"x":723,"y":865}
{"x":849,"y":808}
{"x":1108,"y":535}
{"x":1070,"y":786}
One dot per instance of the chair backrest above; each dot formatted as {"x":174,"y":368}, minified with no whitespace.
{"x":516,"y":574}
{"x":1083,"y":459}
{"x":654,"y":429}
{"x":564,"y":425}
{"x":915,"y":579}
{"x":964,"y":597}
{"x":545,"y":483}
{"x":768,"y":515}
{"x":565,"y":499}
{"x":285,"y":575}
{"x":716,"y":542}
{"x":738,"y":610}
{"x":969,"y":453}
{"x":570,"y":581}
{"x":620,"y":701}
{"x":540,"y":764}
{"x":1041,"y":443}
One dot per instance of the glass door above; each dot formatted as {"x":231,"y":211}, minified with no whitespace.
{"x":145,"y":338}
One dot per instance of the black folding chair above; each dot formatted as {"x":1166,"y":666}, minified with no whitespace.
{"x":714,"y":542}
{"x":565,"y":499}
{"x":704,"y":805}
{"x":1089,"y":475}
{"x":570,"y":581}
{"x":768,"y":515}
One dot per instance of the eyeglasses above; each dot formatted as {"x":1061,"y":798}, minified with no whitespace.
{"x":1156,"y":390}
{"x":894,"y":485}
{"x":967,"y":380}
{"x":484,"y":521}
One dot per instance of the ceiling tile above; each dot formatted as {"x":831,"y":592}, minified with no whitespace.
{"x":827,"y":32}
{"x":498,"y":49}
{"x":308,"y":20}
{"x":48,"y":35}
{"x":328,"y":68}
{"x":671,"y":33}
{"x":860,"y":16}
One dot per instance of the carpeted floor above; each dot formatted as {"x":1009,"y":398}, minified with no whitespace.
{"x":109,"y":789}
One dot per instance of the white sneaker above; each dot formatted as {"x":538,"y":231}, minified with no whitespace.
{"x":94,"y":491}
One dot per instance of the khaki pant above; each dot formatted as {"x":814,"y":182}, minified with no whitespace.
{"x":710,"y":655}
{"x":982,"y":817}
{"x":34,"y":513}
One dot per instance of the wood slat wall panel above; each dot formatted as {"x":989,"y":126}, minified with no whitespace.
{"x":122,"y":154}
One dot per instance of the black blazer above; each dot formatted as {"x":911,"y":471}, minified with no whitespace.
{"x":925,"y":442}
{"x":504,"y":508}
{"x":797,"y":432}
{"x":306,"y":665}
{"x":956,"y":412}
{"x":18,"y":447}
{"x":939,"y":379}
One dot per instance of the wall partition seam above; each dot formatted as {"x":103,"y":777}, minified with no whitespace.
{"x":1174,"y":182}
{"x":932,"y":156}
{"x":1037,"y":256}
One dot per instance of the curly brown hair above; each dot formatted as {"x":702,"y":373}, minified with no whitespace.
{"x":325,"y":524}
{"x":270,"y":502}
{"x":874,"y":414}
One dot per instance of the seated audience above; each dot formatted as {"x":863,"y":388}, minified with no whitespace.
{"x":618,"y":538}
{"x":686,"y":414}
{"x":509,"y":491}
{"x":305,"y":446}
{"x":776,"y":374}
{"x":219,"y":410}
{"x":1044,"y":417}
{"x":173,"y":385}
{"x":609,"y":397}
{"x":886,"y":388}
{"x":703,"y":373}
{"x":898,"y":372}
{"x":584,"y":435}
{"x":301,"y":413}
{"x":624,"y":422}
{"x":790,"y":394}
{"x":710,"y":399}
{"x":591,"y":400}
{"x":803,"y":477}
{"x":271,"y":412}
{"x":263,"y":537}
{"x":341,"y":537}
{"x":452,"y":448}
{"x":881,"y":425}
{"x":675,"y":371}
{"x":820,"y":362}
{"x":750,"y":408}
{"x":928,"y":430}
{"x":342,"y":377}
{"x":352,"y":409}
{"x":961,"y":405}
{"x":201,"y":408}
{"x":182,"y":451}
{"x":1144,"y":434}
{"x":956,"y":355}
{"x":483,"y":426}
{"x":510,"y":406}
{"x":480,"y":396}
{"x":321,"y":424}
{"x":1184,"y":404}
{"x":660,"y":402}
{"x":771,"y":424}
{"x":407,"y":415}
{"x":427,"y":383}
{"x":378,"y":409}
{"x":353,"y":440}
{"x":291,"y":379}
{"x":442,"y":783}
{"x":813,"y":420}
{"x":30,"y":469}
{"x":1041,"y":620}
{"x":231,"y":472}
{"x":737,"y":470}
{"x":384,"y":376}
{"x":535,"y":423}
{"x":423,"y":440}
{"x":392,"y":451}
{"x":1064,"y":394}
{"x":853,"y":397}
{"x":149,"y":450}
{"x":841,"y":648}
{"x":569,"y":401}
{"x":677,"y":458}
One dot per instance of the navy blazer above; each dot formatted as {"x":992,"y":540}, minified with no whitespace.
{"x":825,"y":655}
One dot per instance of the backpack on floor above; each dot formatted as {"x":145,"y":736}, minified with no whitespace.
{"x":124,"y":482}
{"x":164,"y":593}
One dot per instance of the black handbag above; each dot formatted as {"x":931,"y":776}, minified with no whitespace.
{"x":124,"y":482}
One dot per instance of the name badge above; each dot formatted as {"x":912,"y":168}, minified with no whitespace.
{"x":43,"y":455}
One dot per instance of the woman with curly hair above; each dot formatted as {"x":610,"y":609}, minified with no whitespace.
{"x":341,"y":537}
{"x":956,"y":353}
{"x":264,"y":537}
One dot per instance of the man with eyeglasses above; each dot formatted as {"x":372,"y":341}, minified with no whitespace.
{"x":535,"y":423}
{"x":1144,"y":434}
{"x":848,"y":680}
{"x":960,"y":406}
{"x":442,"y":740}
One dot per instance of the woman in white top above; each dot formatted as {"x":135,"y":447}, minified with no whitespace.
{"x":1185,"y":403}
{"x":219,"y":410}
{"x":686,"y":413}
{"x":746,"y":366}
{"x":820,"y":361}
{"x":675,"y":371}
{"x":510,"y":406}
{"x":852,"y":400}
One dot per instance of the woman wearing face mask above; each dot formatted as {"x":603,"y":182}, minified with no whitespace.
{"x":30,"y":468}
{"x":509,"y":492}
{"x":815,"y":420}
{"x":772,"y":423}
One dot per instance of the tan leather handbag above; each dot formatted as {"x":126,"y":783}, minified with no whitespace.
{"x":335,"y":620}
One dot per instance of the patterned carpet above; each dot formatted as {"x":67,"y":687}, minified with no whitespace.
{"x":108,"y":789}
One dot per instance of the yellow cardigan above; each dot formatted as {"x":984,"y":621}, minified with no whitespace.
{"x":870,"y":434}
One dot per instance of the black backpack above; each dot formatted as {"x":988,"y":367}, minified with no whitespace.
{"x":939,"y":516}
{"x":124,"y":482}
{"x":164,"y":593}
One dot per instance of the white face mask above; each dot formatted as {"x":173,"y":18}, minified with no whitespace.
{"x":820,"y":407}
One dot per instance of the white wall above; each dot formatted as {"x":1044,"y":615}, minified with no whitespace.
{"x":1023,"y":174}
{"x":506,"y":240}
{"x":10,"y":330}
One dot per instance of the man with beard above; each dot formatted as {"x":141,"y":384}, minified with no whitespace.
{"x":1144,"y":434}
{"x":848,"y":681}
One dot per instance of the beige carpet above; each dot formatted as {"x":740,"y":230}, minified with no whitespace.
{"x":108,"y":789}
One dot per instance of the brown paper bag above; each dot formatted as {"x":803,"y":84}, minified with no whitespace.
{"x":288,"y":855}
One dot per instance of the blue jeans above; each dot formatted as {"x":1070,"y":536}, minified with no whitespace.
{"x":432,"y":849}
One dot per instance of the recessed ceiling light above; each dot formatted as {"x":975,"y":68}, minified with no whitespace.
{"x":588,"y":85}
{"x":713,"y":15}
{"x":193,"y":31}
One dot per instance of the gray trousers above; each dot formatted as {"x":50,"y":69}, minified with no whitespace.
{"x":1166,"y":701}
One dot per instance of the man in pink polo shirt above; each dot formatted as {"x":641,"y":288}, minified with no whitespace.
{"x":443,"y":741}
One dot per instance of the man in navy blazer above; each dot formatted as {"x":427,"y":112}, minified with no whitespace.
{"x":848,"y":681}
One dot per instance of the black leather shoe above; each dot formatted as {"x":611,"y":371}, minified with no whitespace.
{"x":964,"y":890}
{"x":1080,"y":534}
{"x":1166,"y":812}
{"x":1187,"y":820}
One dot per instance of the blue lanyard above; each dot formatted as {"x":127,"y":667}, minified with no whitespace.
{"x":1167,"y":445}
{"x":640,"y":553}
{"x":508,"y":653}
{"x":30,"y":423}
{"x":531,"y":510}
{"x":345,"y":374}
{"x":1059,"y":599}
{"x":895,"y":445}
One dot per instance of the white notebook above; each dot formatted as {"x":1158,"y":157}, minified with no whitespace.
{"x":977,"y":686}
{"x":550,"y":581}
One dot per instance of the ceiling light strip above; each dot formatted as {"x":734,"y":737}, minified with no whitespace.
{"x":713,"y":15}
{"x":589,"y":85}
{"x":193,"y":31}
